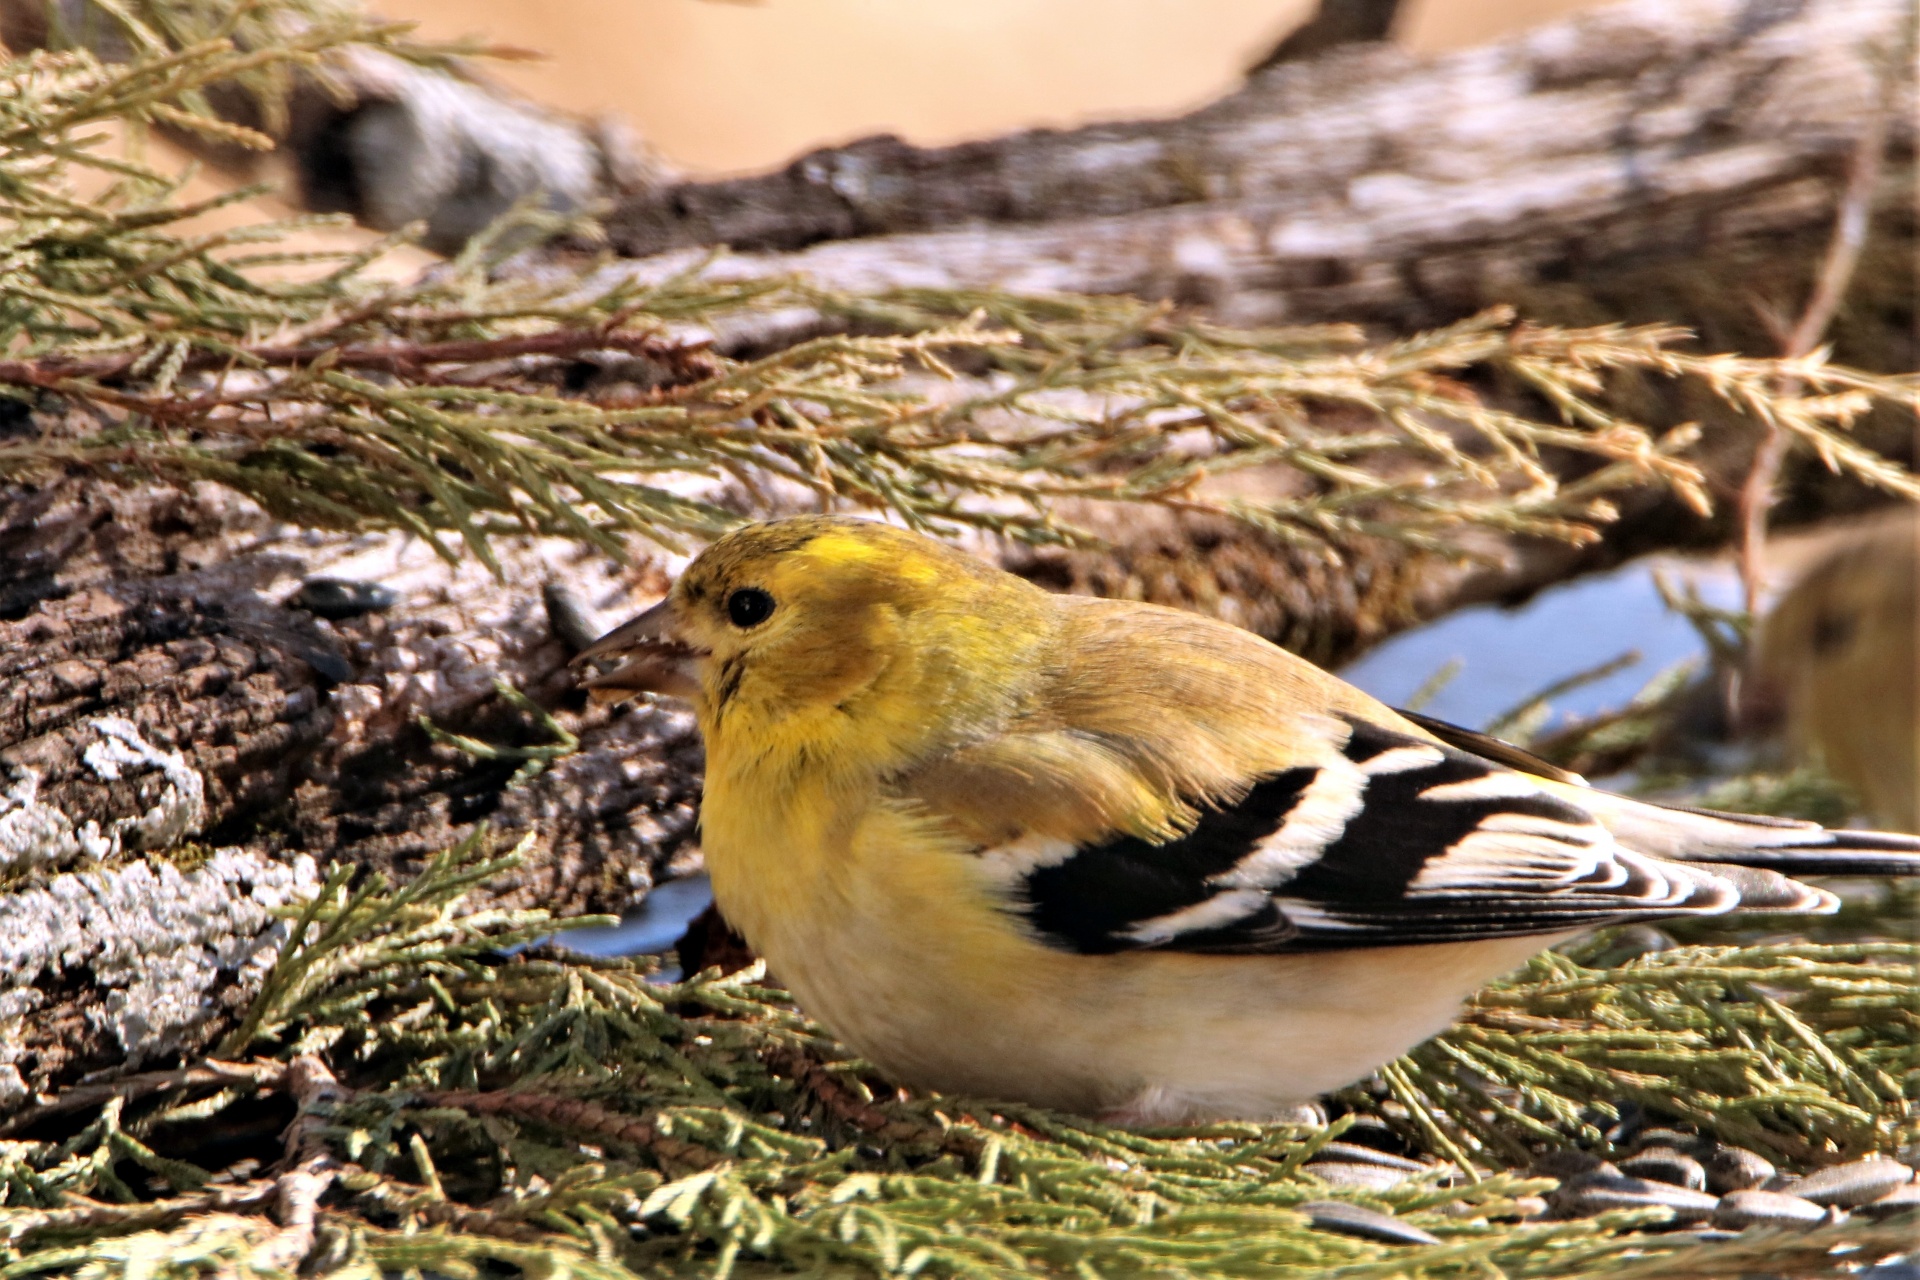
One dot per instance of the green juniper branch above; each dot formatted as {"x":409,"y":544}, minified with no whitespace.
{"x":576,"y":1116}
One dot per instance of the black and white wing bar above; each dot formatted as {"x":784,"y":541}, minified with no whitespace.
{"x":1400,"y":840}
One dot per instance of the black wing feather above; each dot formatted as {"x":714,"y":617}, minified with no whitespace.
{"x":1090,"y":901}
{"x":1438,"y":845}
{"x":1489,"y":747}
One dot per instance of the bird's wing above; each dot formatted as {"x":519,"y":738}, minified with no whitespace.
{"x":1389,"y":839}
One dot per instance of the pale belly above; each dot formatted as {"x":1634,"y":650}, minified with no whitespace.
{"x":964,"y":1001}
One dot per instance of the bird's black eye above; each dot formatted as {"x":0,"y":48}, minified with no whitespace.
{"x":749,"y":607}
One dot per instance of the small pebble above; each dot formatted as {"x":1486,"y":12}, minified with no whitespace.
{"x":1598,"y":1192}
{"x":1633,"y":1118}
{"x":1310,"y":1114}
{"x":1742,"y":1209}
{"x":1860,"y":1182}
{"x":1356,"y":1177}
{"x":1519,"y":1208}
{"x":1731,"y":1169}
{"x":1352,"y":1154}
{"x":1898,"y":1201}
{"x":1662,"y":1164}
{"x":570,"y":618}
{"x":1704,"y":1235}
{"x":1375,"y":1134}
{"x":1368,"y":1224}
{"x":1630,"y":943}
{"x":1671,"y":1139}
{"x":338,"y":598}
{"x":1528,"y":1207}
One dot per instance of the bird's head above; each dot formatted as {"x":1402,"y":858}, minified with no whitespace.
{"x":832,"y":634}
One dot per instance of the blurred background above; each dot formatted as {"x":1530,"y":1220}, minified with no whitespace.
{"x":721,"y":87}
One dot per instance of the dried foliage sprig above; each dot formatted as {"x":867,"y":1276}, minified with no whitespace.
{"x":147,"y":32}
{"x":570,"y":1116}
{"x":468,"y":402}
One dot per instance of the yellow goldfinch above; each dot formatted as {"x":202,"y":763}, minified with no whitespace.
{"x":1122,"y":860}
{"x":1840,"y":657}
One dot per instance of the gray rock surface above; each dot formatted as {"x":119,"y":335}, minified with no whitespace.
{"x":1732,"y":1169}
{"x":1741,"y":1209}
{"x":1368,"y":1224}
{"x":1859,"y":1182}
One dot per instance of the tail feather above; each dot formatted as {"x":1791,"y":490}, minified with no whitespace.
{"x":1786,"y":846}
{"x":1765,"y":890}
{"x":1843,"y":853}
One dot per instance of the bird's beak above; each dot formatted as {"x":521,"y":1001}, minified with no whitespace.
{"x":658,"y":658}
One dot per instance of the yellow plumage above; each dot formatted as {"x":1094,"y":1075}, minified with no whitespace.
{"x":1840,"y":655}
{"x":1111,"y":857}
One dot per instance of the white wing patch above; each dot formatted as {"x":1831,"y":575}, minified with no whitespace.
{"x":1217,"y":912}
{"x":1521,"y":852}
{"x":1402,"y":760}
{"x":1335,"y":796}
{"x":1010,"y":863}
{"x":1337,"y":793}
{"x":1488,"y":786}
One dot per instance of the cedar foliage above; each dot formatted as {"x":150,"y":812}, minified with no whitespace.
{"x":568,"y":1116}
{"x":410,"y":1094}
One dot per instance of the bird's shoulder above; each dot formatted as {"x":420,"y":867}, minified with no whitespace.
{"x":1141,"y":717}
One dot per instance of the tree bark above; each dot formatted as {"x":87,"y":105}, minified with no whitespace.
{"x":180,"y":746}
{"x":1364,"y":185}
{"x":304,"y":730}
{"x":1334,"y":23}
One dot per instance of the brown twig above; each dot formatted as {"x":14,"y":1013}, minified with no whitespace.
{"x":578,"y":1115}
{"x":400,"y":358}
{"x":843,"y":1104}
{"x":1837,"y":267}
{"x":211,"y":1071}
{"x":79,"y":1213}
{"x":310,"y":1167}
{"x":405,"y":1200}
